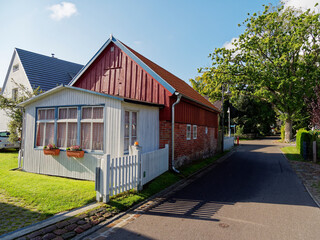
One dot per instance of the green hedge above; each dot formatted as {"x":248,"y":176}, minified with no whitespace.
{"x":302,"y":136}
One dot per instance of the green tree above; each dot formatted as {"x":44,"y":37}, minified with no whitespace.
{"x":276,"y":59}
{"x":15,"y":114}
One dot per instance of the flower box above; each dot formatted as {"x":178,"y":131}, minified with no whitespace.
{"x":53,"y":152}
{"x":76,"y":154}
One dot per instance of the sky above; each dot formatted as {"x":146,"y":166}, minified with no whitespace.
{"x":177,"y":35}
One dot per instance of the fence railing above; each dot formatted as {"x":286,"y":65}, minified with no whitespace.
{"x":121,"y":174}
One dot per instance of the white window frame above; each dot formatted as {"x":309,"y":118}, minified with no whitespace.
{"x":92,"y":121}
{"x":194,"y":131}
{"x":15,"y":67}
{"x":67,"y":121}
{"x":188,"y":132}
{"x":45,"y":121}
{"x":14,"y":94}
{"x":130,"y":129}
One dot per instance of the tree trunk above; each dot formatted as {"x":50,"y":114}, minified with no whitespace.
{"x":288,"y":130}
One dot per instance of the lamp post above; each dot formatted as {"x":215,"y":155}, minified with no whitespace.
{"x":229,"y":129}
{"x":222,"y":115}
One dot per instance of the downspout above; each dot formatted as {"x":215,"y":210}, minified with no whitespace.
{"x":172,"y":129}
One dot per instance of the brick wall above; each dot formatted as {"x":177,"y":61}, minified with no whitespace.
{"x":188,"y":150}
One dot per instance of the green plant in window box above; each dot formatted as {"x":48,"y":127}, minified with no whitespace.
{"x":51,"y":149}
{"x":75,"y":151}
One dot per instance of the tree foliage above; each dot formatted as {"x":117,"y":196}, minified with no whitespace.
{"x":276,"y":59}
{"x":15,"y":114}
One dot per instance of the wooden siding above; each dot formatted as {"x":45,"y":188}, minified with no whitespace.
{"x":35,"y":161}
{"x":115,"y":73}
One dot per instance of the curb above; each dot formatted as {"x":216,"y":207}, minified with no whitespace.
{"x":313,"y":198}
{"x":171,"y":189}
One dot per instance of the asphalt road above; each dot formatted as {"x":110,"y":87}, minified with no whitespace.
{"x":254,"y":194}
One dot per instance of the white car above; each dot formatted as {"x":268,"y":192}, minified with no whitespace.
{"x":4,"y":141}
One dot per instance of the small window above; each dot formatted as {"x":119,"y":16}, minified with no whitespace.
{"x":15,"y":68}
{"x":188,"y":132}
{"x":194,"y":131}
{"x":130,"y":129}
{"x":15,"y":94}
{"x":206,"y":130}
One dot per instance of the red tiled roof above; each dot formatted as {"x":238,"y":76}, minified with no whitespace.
{"x":178,"y":84}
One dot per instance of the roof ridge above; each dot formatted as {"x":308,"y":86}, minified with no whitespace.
{"x":146,"y":60}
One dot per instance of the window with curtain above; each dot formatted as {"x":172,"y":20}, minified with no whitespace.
{"x":64,"y":127}
{"x":92,"y":128}
{"x":130,"y":129}
{"x":45,"y":127}
{"x":67,"y":127}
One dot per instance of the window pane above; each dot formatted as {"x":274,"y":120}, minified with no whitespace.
{"x":97,"y":113}
{"x":97,"y":136}
{"x":40,"y":134}
{"x":50,"y":114}
{"x":133,"y":139}
{"x":72,"y":113}
{"x":63,"y":113}
{"x":85,"y":135}
{"x":126,"y":124}
{"x":42,"y":114}
{"x":87,"y":113}
{"x":126,"y":144}
{"x":49,"y":134}
{"x":72,"y":134}
{"x":134,"y":124}
{"x":61,"y":135}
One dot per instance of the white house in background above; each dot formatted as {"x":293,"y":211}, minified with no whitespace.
{"x":33,"y":70}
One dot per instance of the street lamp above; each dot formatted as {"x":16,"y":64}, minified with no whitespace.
{"x":222,"y":114}
{"x":229,"y":129}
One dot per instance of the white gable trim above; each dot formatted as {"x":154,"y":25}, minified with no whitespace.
{"x":132,"y":56}
{"x":61,"y":87}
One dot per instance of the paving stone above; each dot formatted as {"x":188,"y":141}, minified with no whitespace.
{"x":79,"y":230}
{"x":94,"y":222}
{"x":81,"y":222}
{"x":94,"y":218}
{"x":22,"y":238}
{"x":86,"y":226}
{"x":34,"y":234}
{"x":73,"y":220}
{"x":62,"y":224}
{"x":60,"y":231}
{"x":107,"y":215}
{"x":49,"y":229}
{"x":58,"y":238}
{"x":36,"y":238}
{"x":68,"y":235}
{"x":49,"y":236}
{"x":71,"y":227}
{"x":101,"y":238}
{"x":82,"y":216}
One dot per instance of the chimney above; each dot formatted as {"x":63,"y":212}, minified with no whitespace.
{"x":52,"y":55}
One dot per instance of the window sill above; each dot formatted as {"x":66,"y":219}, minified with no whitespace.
{"x":86,"y":151}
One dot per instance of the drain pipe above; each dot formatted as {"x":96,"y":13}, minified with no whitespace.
{"x":172,"y":129}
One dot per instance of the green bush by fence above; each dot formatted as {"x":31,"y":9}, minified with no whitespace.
{"x":308,"y":137}
{"x":302,"y":136}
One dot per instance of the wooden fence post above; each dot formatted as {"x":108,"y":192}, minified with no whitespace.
{"x":98,"y":182}
{"x":136,"y":150}
{"x":105,"y":178}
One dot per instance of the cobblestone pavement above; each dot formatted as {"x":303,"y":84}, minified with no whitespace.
{"x":309,"y":173}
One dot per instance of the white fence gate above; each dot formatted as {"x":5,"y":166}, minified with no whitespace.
{"x":121,"y":174}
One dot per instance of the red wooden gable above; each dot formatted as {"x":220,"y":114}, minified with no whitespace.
{"x":115,"y":73}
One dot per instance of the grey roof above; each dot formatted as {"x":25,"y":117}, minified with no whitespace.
{"x":47,"y":72}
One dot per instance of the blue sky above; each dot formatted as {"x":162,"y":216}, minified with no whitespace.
{"x":177,"y":35}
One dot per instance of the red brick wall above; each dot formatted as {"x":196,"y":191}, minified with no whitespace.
{"x":188,"y":150}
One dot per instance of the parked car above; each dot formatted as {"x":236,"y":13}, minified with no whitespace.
{"x":4,"y":141}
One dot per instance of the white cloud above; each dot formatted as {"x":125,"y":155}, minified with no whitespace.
{"x":228,"y":44}
{"x":304,"y":4}
{"x":62,"y":10}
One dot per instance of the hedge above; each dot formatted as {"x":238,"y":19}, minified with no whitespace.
{"x":302,"y":136}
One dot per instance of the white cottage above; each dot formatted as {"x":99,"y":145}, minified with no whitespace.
{"x":100,"y":123}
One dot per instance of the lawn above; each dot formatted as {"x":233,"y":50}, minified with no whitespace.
{"x":33,"y":197}
{"x":292,"y":153}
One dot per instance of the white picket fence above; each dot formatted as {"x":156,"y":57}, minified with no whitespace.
{"x":120,"y":174}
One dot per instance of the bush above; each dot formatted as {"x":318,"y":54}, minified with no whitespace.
{"x":239,"y":130}
{"x":305,"y":136}
{"x":299,"y":139}
{"x":283,"y":132}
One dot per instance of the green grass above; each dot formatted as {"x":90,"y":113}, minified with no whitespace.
{"x":292,"y":153}
{"x":44,"y":194}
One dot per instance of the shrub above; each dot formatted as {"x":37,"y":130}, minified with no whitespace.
{"x":304,"y":136}
{"x":283,"y":131}
{"x":240,"y":130}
